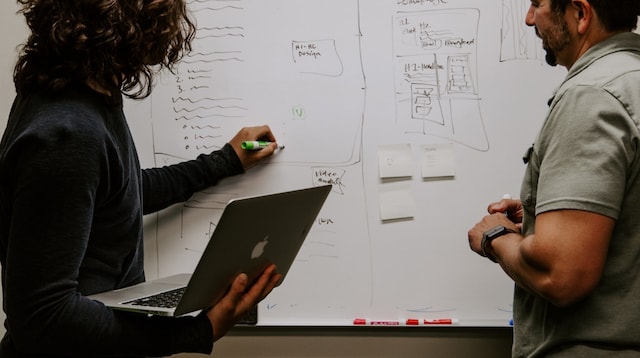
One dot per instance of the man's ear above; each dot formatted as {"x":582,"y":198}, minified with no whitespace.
{"x":582,"y":13}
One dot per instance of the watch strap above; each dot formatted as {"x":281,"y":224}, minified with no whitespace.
{"x":490,"y":235}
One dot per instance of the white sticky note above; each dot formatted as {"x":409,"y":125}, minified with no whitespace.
{"x":396,"y":202}
{"x":437,"y":160}
{"x":394,"y":161}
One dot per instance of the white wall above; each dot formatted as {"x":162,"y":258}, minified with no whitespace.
{"x":298,"y":341}
{"x":13,"y":34}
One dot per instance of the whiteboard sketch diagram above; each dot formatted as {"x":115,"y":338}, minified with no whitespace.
{"x":436,"y":75}
{"x":273,"y":62}
{"x":517,"y":40}
{"x":247,"y":70}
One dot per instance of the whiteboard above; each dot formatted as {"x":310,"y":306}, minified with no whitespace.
{"x":340,"y":82}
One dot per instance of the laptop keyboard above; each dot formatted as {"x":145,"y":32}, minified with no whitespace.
{"x":167,"y":299}
{"x":171,"y":298}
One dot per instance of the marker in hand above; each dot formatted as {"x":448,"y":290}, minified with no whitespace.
{"x":257,"y":145}
{"x":506,"y":197}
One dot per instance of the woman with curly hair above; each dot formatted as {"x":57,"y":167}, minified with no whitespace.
{"x":73,"y":195}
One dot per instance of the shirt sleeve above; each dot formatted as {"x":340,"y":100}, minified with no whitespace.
{"x":176,"y":183}
{"x":587,"y":158}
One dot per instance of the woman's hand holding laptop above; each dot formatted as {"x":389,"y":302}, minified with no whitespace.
{"x":240,"y":299}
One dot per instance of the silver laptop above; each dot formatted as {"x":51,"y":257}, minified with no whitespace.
{"x":251,"y":233}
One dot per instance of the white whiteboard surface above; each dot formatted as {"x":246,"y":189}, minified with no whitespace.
{"x":337,"y":80}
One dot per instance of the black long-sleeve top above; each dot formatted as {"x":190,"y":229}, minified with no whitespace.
{"x":72,"y":200}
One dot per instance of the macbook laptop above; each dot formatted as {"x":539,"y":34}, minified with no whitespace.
{"x":252,"y":233}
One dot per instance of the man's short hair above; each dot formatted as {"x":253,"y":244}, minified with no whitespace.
{"x":615,"y":15}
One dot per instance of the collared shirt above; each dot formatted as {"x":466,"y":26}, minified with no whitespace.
{"x":586,"y":157}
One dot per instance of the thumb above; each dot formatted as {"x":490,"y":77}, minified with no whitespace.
{"x":495,"y":208}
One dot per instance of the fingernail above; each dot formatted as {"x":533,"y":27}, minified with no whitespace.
{"x":243,"y":278}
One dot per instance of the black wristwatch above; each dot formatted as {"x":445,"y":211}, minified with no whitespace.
{"x":490,"y":235}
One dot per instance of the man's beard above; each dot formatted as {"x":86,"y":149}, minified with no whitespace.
{"x":555,"y":39}
{"x":551,"y":57}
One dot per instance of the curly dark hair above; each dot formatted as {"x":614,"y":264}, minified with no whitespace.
{"x":118,"y":44}
{"x":616,"y":15}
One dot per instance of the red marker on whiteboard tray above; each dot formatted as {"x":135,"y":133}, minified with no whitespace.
{"x":385,"y":323}
{"x":365,"y":322}
{"x":428,"y":322}
{"x":441,"y":321}
{"x":407,"y":322}
{"x":359,"y":322}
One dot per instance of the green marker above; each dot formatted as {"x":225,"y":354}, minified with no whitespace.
{"x":257,"y":144}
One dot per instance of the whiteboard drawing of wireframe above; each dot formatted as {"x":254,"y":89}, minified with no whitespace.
{"x":271,"y":62}
{"x":254,"y":62}
{"x":517,"y":41}
{"x":436,"y":75}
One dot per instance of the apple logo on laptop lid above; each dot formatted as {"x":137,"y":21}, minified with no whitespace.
{"x":258,"y":250}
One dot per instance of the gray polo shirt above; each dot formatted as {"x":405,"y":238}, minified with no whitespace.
{"x":586,"y":157}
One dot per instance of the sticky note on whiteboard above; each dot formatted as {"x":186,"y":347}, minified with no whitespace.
{"x":394,"y":161}
{"x":396,"y":202}
{"x":437,"y":160}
